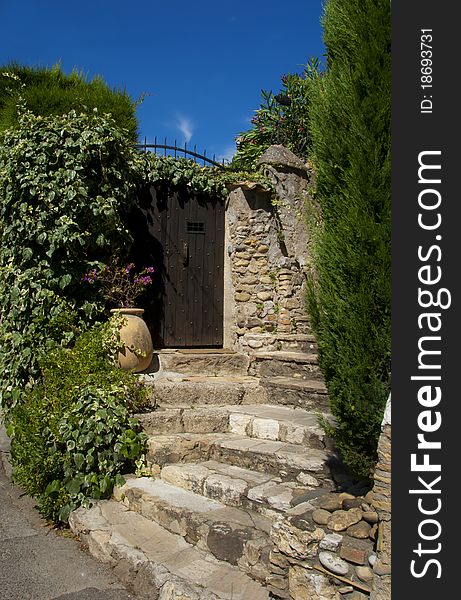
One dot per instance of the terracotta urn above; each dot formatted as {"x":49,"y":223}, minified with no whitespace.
{"x":134,"y":333}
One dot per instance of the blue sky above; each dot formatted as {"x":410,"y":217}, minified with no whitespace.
{"x":201,"y":64}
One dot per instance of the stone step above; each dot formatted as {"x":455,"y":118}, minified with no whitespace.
{"x":200,"y":419}
{"x":204,"y":362}
{"x":262,"y":421}
{"x":298,"y":342}
{"x":242,"y":488}
{"x":301,"y":365}
{"x":277,"y":423}
{"x":287,"y":461}
{"x":179,"y":447}
{"x":155,"y":563}
{"x":310,"y":394}
{"x":239,"y":537}
{"x":172,"y":389}
{"x":282,"y":459}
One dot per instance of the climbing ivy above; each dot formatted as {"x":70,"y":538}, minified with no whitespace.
{"x":183,"y":172}
{"x":64,"y":182}
{"x":231,"y":178}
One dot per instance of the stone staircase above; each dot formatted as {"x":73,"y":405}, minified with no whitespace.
{"x":232,"y":458}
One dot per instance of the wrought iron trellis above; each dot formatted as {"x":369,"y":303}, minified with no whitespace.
{"x":180,"y":152}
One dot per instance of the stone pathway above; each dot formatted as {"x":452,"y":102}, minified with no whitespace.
{"x":233,"y":457}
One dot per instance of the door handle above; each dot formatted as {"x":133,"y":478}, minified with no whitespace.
{"x":185,"y":253}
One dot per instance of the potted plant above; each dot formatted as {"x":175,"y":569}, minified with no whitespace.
{"x":121,"y":286}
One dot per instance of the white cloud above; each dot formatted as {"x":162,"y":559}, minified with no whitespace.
{"x":186,"y":127}
{"x":228,"y":152}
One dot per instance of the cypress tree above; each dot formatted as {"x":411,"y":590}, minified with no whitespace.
{"x":350,"y":296}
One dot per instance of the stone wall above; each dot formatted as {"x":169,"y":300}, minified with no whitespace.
{"x":336,"y":545}
{"x":267,"y":243}
{"x":326,"y":547}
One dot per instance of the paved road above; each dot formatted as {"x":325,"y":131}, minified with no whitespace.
{"x":36,"y":563}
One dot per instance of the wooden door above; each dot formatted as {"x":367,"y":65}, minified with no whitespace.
{"x":189,"y":232}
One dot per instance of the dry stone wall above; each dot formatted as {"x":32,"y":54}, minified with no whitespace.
{"x":268,"y":253}
{"x":325,"y":548}
{"x":338,"y":545}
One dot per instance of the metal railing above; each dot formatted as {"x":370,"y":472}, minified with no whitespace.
{"x":177,"y":152}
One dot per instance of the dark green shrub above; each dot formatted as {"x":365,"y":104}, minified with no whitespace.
{"x":350,"y":300}
{"x":281,"y":119}
{"x":72,"y":437}
{"x":49,"y":92}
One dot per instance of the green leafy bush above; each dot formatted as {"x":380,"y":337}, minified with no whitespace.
{"x":72,"y":437}
{"x":49,"y":92}
{"x":350,"y":300}
{"x":281,"y":119}
{"x":65,"y":183}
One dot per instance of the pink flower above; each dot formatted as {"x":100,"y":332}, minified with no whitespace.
{"x":143,"y":280}
{"x":120,"y":286}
